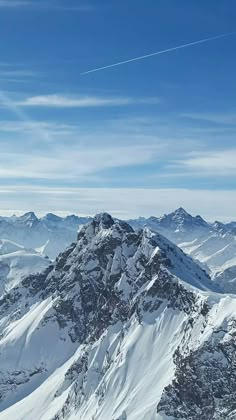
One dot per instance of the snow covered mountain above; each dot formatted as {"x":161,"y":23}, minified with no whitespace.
{"x":16,"y":262}
{"x":213,"y":245}
{"x":178,"y":225}
{"x":123,"y":326}
{"x":49,"y":235}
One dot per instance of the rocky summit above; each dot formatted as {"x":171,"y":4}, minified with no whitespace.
{"x":123,"y":325}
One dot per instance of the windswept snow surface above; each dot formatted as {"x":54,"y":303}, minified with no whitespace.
{"x":16,"y":262}
{"x":219,"y":255}
{"x":136,"y":363}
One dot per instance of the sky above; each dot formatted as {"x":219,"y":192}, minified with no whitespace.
{"x":138,"y":139}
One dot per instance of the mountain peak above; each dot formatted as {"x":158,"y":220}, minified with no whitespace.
{"x":28,"y":219}
{"x":29,"y":215}
{"x":181,"y":210}
{"x":103,"y":220}
{"x":52,"y":216}
{"x":181,"y":216}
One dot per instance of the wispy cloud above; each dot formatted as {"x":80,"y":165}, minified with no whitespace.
{"x":70,"y":101}
{"x":14,"y":3}
{"x":225,"y":118}
{"x":220,"y":163}
{"x":44,"y":5}
{"x":16,"y":73}
{"x":74,"y":163}
{"x":6,"y":101}
{"x":23,"y":127}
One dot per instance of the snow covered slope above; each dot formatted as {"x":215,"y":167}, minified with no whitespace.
{"x":49,"y":235}
{"x":107,"y":331}
{"x":17,"y":262}
{"x":213,"y":245}
{"x":218,"y":252}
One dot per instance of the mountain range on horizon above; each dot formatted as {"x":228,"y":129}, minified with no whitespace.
{"x":213,"y":245}
{"x":54,"y":218}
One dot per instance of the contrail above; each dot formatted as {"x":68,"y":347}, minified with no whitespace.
{"x":201,"y":41}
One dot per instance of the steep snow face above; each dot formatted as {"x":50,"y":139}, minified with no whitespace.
{"x":49,"y":235}
{"x":219,"y":254}
{"x":98,"y":335}
{"x":216,"y":253}
{"x":16,"y":262}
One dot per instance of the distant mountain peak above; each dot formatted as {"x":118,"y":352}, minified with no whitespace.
{"x":181,"y":220}
{"x":182,"y":211}
{"x":52,"y":216}
{"x":29,"y":215}
{"x":28,"y":219}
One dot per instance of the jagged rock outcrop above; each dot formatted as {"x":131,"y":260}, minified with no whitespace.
{"x":205,"y":380}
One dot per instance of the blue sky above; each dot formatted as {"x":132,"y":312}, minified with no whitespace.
{"x":138,"y":139}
